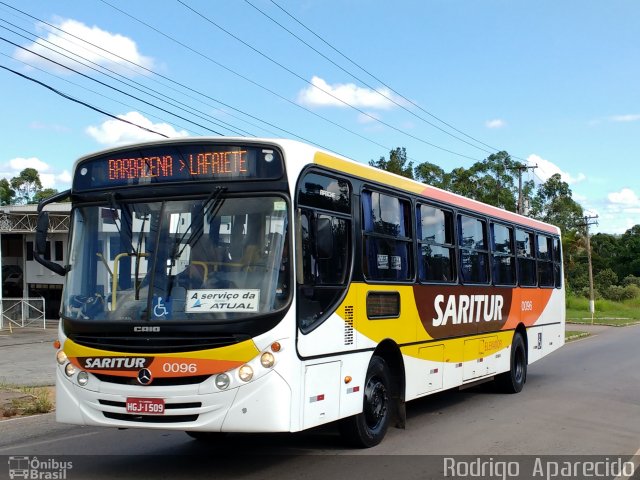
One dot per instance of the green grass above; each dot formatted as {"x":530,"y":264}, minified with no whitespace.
{"x":607,"y":312}
{"x":570,"y":335}
{"x":19,"y":400}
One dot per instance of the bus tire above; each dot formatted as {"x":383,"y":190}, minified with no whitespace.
{"x":368,"y":428}
{"x":513,"y":381}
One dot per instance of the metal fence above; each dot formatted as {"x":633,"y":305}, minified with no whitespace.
{"x":22,"y":312}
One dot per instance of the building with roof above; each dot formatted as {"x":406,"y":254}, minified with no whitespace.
{"x":22,"y":276}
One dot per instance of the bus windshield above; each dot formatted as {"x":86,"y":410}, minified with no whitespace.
{"x":209,"y":259}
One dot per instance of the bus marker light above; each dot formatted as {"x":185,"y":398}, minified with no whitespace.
{"x":69,"y":369}
{"x":347,"y":379}
{"x":82,"y":378}
{"x":276,"y":347}
{"x":61,"y":357}
{"x":57,"y":344}
{"x":267,"y":360}
{"x":245,"y":373}
{"x":223,"y":381}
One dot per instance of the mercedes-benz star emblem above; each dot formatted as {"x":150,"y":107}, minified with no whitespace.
{"x":144,"y":376}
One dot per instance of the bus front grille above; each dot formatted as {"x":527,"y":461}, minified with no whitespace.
{"x":157,"y":382}
{"x":136,"y":344}
{"x":128,"y":417}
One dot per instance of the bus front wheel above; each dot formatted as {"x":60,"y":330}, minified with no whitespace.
{"x":513,"y":380}
{"x":368,"y":428}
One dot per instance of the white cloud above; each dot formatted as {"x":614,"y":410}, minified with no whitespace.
{"x":625,"y":118}
{"x":49,"y":180}
{"x":114,"y":132}
{"x":495,"y":123}
{"x":625,"y":197}
{"x":19,"y":164}
{"x":349,"y":93}
{"x":622,"y":210}
{"x":119,"y":45}
{"x":546,"y":169}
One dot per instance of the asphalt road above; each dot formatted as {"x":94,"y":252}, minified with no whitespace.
{"x":582,"y":400}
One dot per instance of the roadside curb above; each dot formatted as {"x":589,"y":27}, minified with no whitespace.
{"x":631,"y":323}
{"x":577,"y":336}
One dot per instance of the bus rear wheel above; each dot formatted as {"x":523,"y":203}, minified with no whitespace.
{"x":368,"y":428}
{"x":513,"y":380}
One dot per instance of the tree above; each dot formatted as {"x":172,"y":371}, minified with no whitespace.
{"x":630,"y":253}
{"x":493,"y":181}
{"x":553,"y":204}
{"x":26,"y":185}
{"x":397,"y":163}
{"x":44,"y":194}
{"x":6,"y":192}
{"x":433,"y":175}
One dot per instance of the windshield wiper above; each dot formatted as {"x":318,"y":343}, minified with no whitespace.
{"x":212,"y":206}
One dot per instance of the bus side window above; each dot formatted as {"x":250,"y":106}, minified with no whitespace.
{"x":526,"y":258}
{"x":474,"y":249}
{"x":387,"y":241}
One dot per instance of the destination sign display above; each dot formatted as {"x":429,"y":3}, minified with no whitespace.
{"x":167,"y":163}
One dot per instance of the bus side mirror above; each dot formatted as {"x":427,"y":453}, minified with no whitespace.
{"x":324,"y":238}
{"x":42,"y":229}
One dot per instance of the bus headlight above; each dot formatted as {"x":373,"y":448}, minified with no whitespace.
{"x":82,"y":378}
{"x":61,"y":357}
{"x":69,"y":369}
{"x":245,"y":373}
{"x":267,"y":360}
{"x":223,"y":381}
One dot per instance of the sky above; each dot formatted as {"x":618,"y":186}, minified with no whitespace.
{"x":555,"y":84}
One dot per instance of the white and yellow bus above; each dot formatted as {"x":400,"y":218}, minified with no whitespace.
{"x":254,"y":285}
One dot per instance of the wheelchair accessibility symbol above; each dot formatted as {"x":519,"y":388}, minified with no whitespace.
{"x":160,"y":308}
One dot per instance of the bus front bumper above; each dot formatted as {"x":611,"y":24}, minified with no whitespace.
{"x":261,"y":405}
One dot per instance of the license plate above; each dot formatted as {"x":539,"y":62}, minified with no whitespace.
{"x":147,"y":406}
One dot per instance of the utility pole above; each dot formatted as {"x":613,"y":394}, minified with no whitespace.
{"x":521,"y":168}
{"x":588,"y":220}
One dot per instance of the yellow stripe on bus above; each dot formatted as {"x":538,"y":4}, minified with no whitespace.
{"x":239,"y":352}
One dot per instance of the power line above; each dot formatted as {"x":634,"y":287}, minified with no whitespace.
{"x":387,"y":97}
{"x":107,"y":85}
{"x":98,"y":93}
{"x":253,"y":82}
{"x":275,"y":62}
{"x":206,"y":117}
{"x":85,"y":104}
{"x":384,"y":84}
{"x":186,"y":87}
